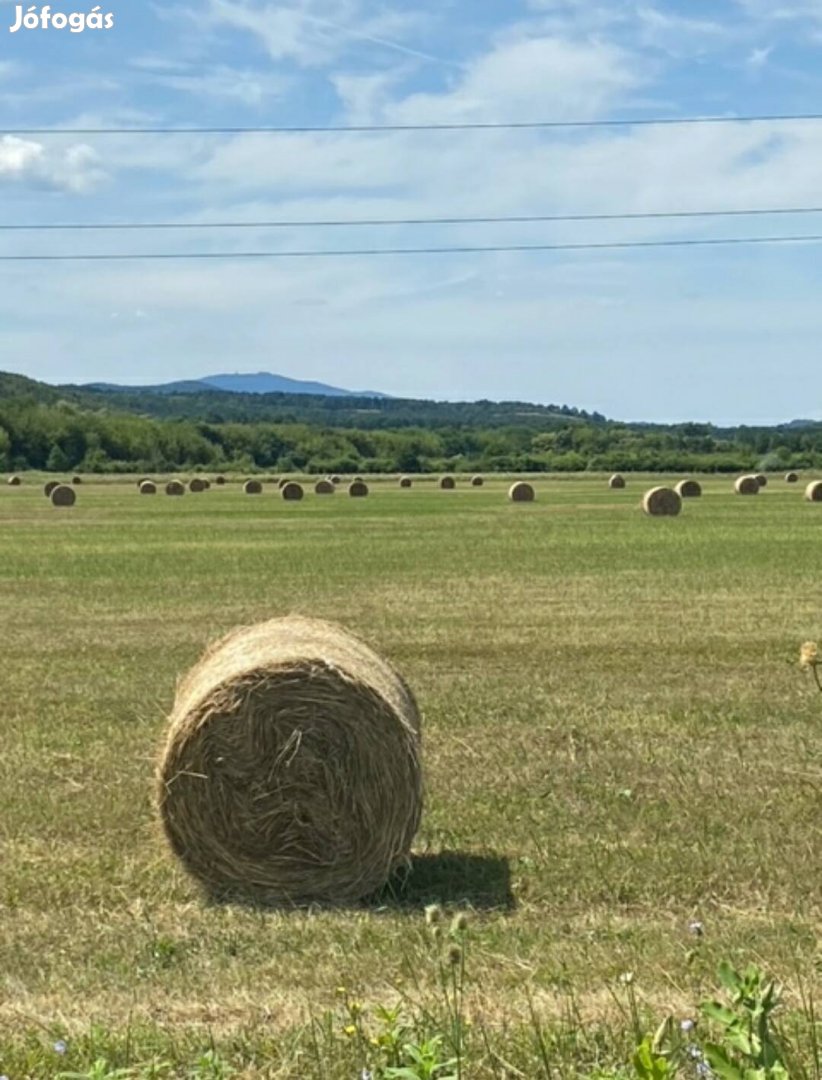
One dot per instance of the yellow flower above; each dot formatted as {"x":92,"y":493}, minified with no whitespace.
{"x":809,"y":655}
{"x":350,"y":1030}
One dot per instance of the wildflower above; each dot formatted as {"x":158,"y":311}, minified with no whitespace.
{"x":60,"y":1046}
{"x":809,"y":655}
{"x":626,"y":978}
{"x":433,"y":914}
{"x":704,"y":1070}
{"x":354,"y":1007}
{"x":350,"y":1030}
{"x":342,"y":991}
{"x":687,"y":1025}
{"x":696,"y":928}
{"x":366,"y":1074}
{"x":459,"y":923}
{"x":454,"y":955}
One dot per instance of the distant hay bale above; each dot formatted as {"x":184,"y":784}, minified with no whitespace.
{"x":207,"y":483}
{"x":791,"y":477}
{"x":197,"y":484}
{"x":292,"y":491}
{"x":661,"y":502}
{"x":49,"y":486}
{"x":324,"y":487}
{"x":477,"y":481}
{"x":447,"y":483}
{"x":252,"y":487}
{"x":282,"y":482}
{"x":747,"y":485}
{"x":63,"y":495}
{"x":688,"y":489}
{"x":358,"y":480}
{"x":813,"y":492}
{"x":76,"y":479}
{"x":142,"y":480}
{"x":616,"y":481}
{"x":14,"y":481}
{"x":521,"y":492}
{"x":335,"y":479}
{"x":358,"y":489}
{"x":148,"y":487}
{"x":291,"y":771}
{"x":406,"y":481}
{"x":219,"y":480}
{"x":761,"y":479}
{"x":175,"y":487}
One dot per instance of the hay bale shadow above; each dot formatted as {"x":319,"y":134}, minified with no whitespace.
{"x":482,"y":882}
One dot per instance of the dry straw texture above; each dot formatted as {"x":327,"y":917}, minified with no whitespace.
{"x":15,"y":481}
{"x":746,"y":485}
{"x":291,"y":771}
{"x":324,"y":487}
{"x":813,"y":492}
{"x":406,"y":481}
{"x":148,"y":487}
{"x":282,"y":482}
{"x":616,"y":481}
{"x":49,"y":486}
{"x":761,"y":479}
{"x":661,"y":502}
{"x":358,"y":489}
{"x":63,"y":495}
{"x":521,"y":492}
{"x":688,"y":489}
{"x":477,"y":481}
{"x":197,"y":484}
{"x":175,"y":487}
{"x":252,"y":487}
{"x":447,"y":483}
{"x":292,"y":491}
{"x":791,"y":477}
{"x":142,"y":480}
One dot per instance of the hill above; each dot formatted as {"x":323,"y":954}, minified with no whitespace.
{"x":261,"y":383}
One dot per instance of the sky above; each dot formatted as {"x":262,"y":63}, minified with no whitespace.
{"x":722,"y":334}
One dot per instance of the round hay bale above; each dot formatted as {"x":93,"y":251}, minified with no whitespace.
{"x":142,"y":480}
{"x":291,"y":771}
{"x":405,"y":481}
{"x":335,"y":479}
{"x":813,"y":492}
{"x":14,"y":481}
{"x":207,"y":483}
{"x":175,"y":487}
{"x":252,"y":487}
{"x":282,"y":482}
{"x":791,"y":477}
{"x":688,"y":489}
{"x":447,"y":483}
{"x":747,"y":485}
{"x":358,"y":489}
{"x":616,"y":481}
{"x":661,"y":502}
{"x":292,"y":491}
{"x":49,"y":486}
{"x":477,"y":481}
{"x":76,"y":479}
{"x":219,"y":480}
{"x":63,"y":495}
{"x":324,"y":487}
{"x":521,"y":492}
{"x":197,"y":484}
{"x":148,"y":487}
{"x":761,"y":479}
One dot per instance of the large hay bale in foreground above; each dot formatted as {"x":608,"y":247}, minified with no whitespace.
{"x":197,"y":484}
{"x":324,"y":487}
{"x":747,"y":485}
{"x":14,"y":481}
{"x":292,"y":491}
{"x":252,"y":487}
{"x":813,"y":492}
{"x":447,"y":483}
{"x":661,"y":502}
{"x":63,"y":495}
{"x":358,"y":489}
{"x":688,"y":489}
{"x":175,"y":487}
{"x":148,"y":487}
{"x":406,"y":481}
{"x":49,"y":486}
{"x":521,"y":492}
{"x":791,"y":477}
{"x":617,"y":481}
{"x":291,"y":771}
{"x":761,"y":479}
{"x":477,"y":481}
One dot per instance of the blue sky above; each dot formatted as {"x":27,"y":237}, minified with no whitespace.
{"x":729,"y":335}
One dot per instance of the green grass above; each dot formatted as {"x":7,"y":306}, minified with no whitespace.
{"x":617,"y":741}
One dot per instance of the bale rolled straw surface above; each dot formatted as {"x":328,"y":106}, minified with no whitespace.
{"x":335,"y":479}
{"x":219,"y":480}
{"x":746,"y":485}
{"x":358,"y":489}
{"x":477,"y":481}
{"x":406,"y":481}
{"x":282,"y":482}
{"x":252,"y":487}
{"x":813,"y":492}
{"x":292,"y":491}
{"x":142,"y":480}
{"x":148,"y":487}
{"x":197,"y":484}
{"x":447,"y":483}
{"x":617,"y":481}
{"x":761,"y":479}
{"x":63,"y":495}
{"x":291,"y":771}
{"x":324,"y":487}
{"x":688,"y":489}
{"x":14,"y":481}
{"x":175,"y":487}
{"x":49,"y":486}
{"x":76,"y":479}
{"x":521,"y":492}
{"x":791,"y":477}
{"x":661,"y":502}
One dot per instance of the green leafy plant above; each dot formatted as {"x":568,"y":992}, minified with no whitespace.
{"x":749,"y":1048}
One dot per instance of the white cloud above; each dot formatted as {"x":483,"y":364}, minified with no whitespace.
{"x":250,"y":87}
{"x":74,"y":169}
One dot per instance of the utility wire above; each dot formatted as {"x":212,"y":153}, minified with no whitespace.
{"x":604,"y":246}
{"x":375,"y":222}
{"x":451,"y":126}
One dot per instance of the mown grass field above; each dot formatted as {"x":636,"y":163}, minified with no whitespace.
{"x":617,"y":741}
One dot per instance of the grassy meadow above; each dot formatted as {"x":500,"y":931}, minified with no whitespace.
{"x":618,"y":742}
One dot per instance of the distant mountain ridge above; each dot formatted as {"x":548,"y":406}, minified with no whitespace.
{"x":263,"y":382}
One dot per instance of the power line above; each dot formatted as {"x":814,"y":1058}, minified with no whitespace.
{"x":517,"y":125}
{"x":449,"y":250}
{"x":376,"y":222}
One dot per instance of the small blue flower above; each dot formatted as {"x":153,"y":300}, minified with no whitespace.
{"x":366,"y":1074}
{"x":60,"y":1046}
{"x":686,"y":1025}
